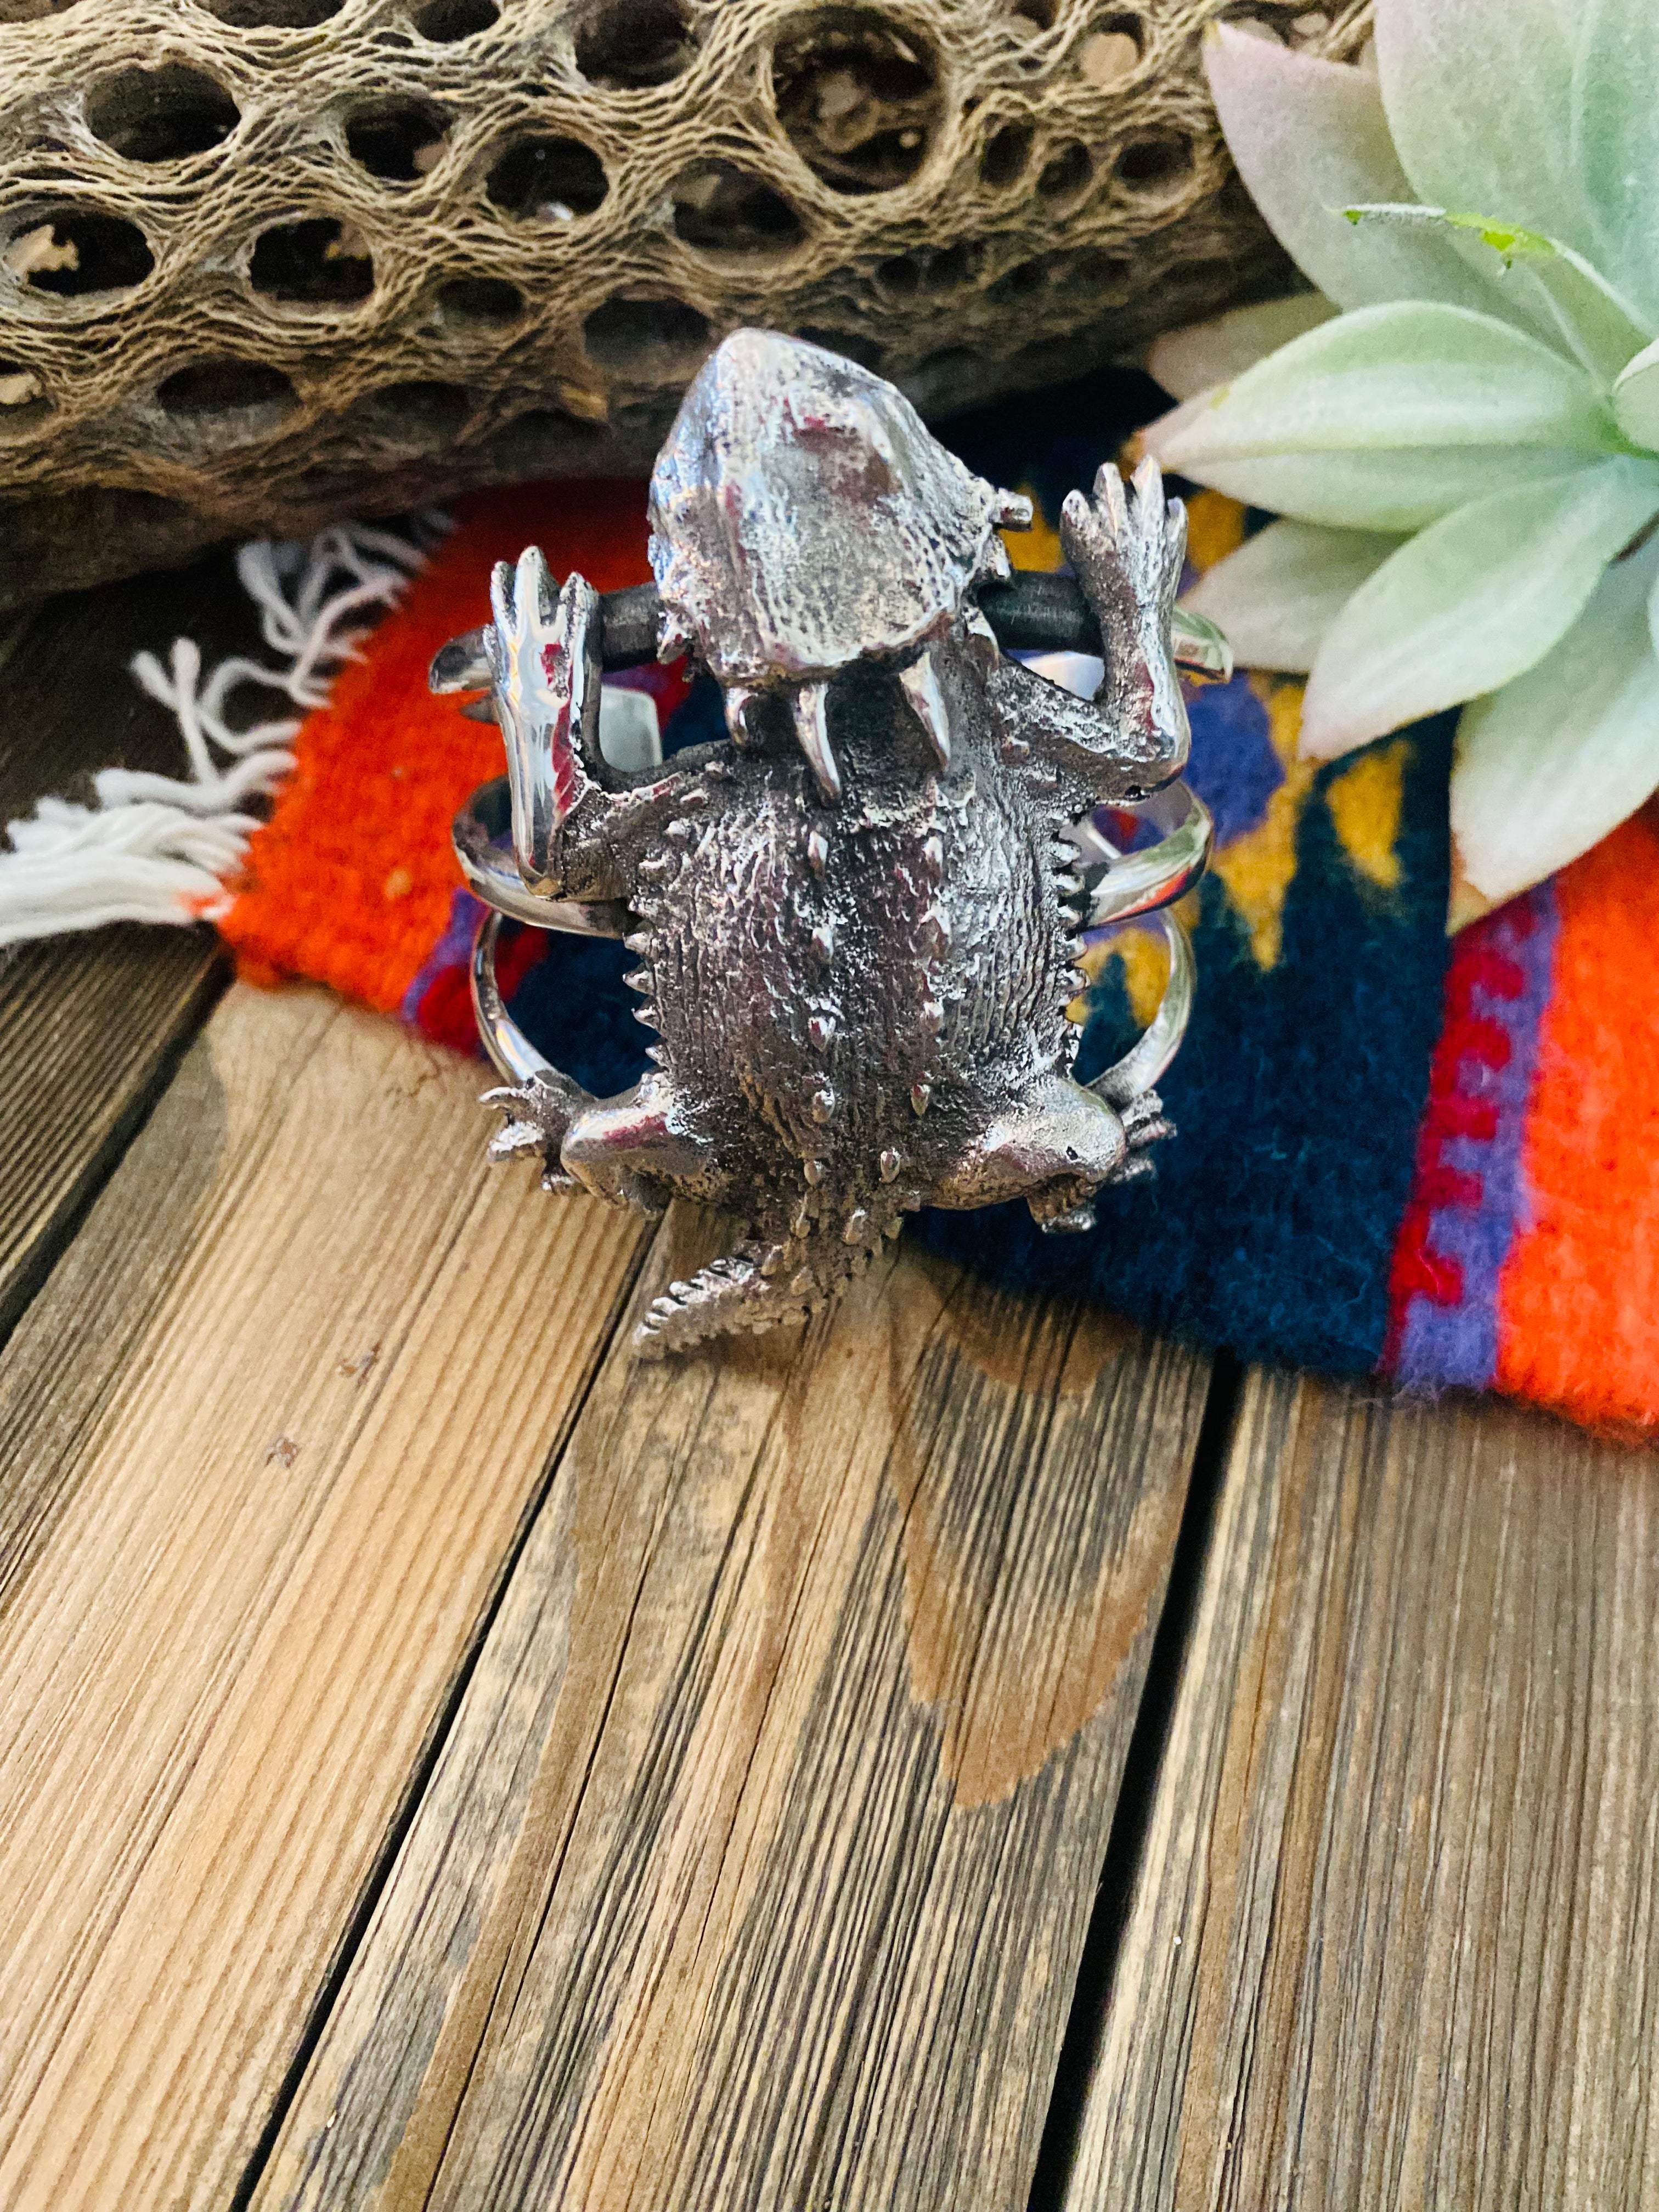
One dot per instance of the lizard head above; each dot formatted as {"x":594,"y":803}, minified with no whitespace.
{"x":803,"y":518}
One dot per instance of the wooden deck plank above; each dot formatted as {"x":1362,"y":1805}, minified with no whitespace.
{"x":91,"y":1026}
{"x":268,"y":1436}
{"x":756,"y":1868}
{"x":90,"y":1029}
{"x":1394,"y":1939}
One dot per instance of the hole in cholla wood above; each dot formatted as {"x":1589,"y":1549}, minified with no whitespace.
{"x":1148,"y":163}
{"x":397,"y":139}
{"x":226,"y":387}
{"x":628,"y":45}
{"x":446,"y":22}
{"x":547,"y":179}
{"x":1106,"y":276}
{"x":73,"y":251}
{"x":721,"y":209}
{"x":858,"y":97}
{"x":1007,"y":151}
{"x":320,"y":262}
{"x":215,"y":405}
{"x":1066,"y":174}
{"x":653,"y":339}
{"x":23,"y":402}
{"x":480,"y":300}
{"x":273,"y":14}
{"x":1112,"y":50}
{"x":939,"y":270}
{"x":413,"y":413}
{"x":162,"y":115}
{"x":546,"y":438}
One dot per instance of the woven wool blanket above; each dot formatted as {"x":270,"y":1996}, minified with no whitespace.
{"x":1434,"y":1159}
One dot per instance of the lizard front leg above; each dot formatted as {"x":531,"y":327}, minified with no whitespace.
{"x":1133,"y":737}
{"x":577,"y":830}
{"x":1127,"y":550}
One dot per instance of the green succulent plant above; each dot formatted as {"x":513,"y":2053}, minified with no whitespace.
{"x":1459,"y":427}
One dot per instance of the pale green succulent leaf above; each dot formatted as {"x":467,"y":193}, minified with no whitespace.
{"x":1472,"y":602}
{"x":1402,"y":489}
{"x":1615,"y":140}
{"x":1411,"y":374}
{"x":1475,"y":96}
{"x":1279,"y":594}
{"x":1564,"y":294}
{"x":1310,"y":136}
{"x":1190,"y":360}
{"x":1636,"y":398}
{"x":1545,"y":767}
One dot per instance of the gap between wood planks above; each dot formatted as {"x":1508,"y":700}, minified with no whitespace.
{"x":1127,"y":1842}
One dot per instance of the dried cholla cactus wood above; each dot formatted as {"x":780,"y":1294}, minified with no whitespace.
{"x":266,"y":262}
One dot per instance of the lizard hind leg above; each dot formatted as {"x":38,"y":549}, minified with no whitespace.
{"x":633,"y":1150}
{"x":1054,"y":1147}
{"x":1066,"y":1206}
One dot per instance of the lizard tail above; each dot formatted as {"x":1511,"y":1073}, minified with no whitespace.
{"x":759,"y":1285}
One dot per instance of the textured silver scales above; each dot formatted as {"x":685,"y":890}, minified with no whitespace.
{"x":856,"y":923}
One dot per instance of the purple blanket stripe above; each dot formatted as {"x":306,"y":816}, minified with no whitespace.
{"x":1457,"y":1345}
{"x":452,"y":949}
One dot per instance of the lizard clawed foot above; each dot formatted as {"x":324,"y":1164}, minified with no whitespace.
{"x":543,"y":649}
{"x":1127,"y":548}
{"x":537,"y":1117}
{"x":1143,"y":1125}
{"x":1067,"y":1207}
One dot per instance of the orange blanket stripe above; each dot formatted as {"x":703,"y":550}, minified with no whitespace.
{"x":1578,"y":1297}
{"x":350,"y":880}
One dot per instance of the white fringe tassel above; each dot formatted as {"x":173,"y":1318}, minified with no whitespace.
{"x":162,"y":848}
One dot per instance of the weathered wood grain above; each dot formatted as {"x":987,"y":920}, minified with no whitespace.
{"x":1394,"y":1942}
{"x":267,"y":1440}
{"x":755,"y":1870}
{"x":91,"y":1026}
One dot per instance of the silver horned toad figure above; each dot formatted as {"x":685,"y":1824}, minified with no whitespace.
{"x":856,"y":922}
